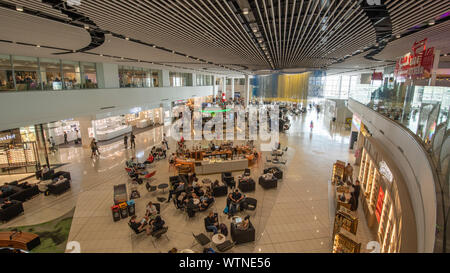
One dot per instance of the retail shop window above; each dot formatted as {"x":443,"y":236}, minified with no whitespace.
{"x":89,"y":76}
{"x":50,"y":74}
{"x":72,"y":77}
{"x":6,"y":76}
{"x":26,"y":73}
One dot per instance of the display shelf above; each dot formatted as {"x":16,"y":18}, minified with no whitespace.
{"x":338,"y":172}
{"x":384,"y":216}
{"x":345,"y":220}
{"x":344,"y":243}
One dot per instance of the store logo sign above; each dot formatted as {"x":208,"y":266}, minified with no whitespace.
{"x":386,"y":172}
{"x":7,"y":137}
{"x":417,"y":64}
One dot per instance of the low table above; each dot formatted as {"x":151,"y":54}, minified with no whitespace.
{"x":163,"y":186}
{"x":218,"y":239}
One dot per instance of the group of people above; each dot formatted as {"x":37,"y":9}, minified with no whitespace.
{"x":132,"y":141}
{"x":94,"y":148}
{"x":351,"y":195}
{"x":193,"y":195}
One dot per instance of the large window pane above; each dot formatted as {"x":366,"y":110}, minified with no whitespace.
{"x":6,"y":76}
{"x":26,"y":73}
{"x":89,"y":75}
{"x":156,"y":76}
{"x":51,"y":74}
{"x":72,"y":77}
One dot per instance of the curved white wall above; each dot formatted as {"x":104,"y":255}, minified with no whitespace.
{"x":19,"y":109}
{"x":415,"y":166}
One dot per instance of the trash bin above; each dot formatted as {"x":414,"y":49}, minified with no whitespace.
{"x":116,"y":213}
{"x":131,"y":208}
{"x":123,"y":210}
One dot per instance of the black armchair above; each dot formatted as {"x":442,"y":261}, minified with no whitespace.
{"x":12,"y":211}
{"x":247,"y":185}
{"x":228,"y":179}
{"x":243,"y":236}
{"x":59,"y":187}
{"x":221,"y":190}
{"x":277,"y":172}
{"x":267,"y":183}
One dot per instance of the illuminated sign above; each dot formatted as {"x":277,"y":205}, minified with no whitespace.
{"x":380,"y":201}
{"x":386,"y":172}
{"x":7,"y":137}
{"x":417,"y":64}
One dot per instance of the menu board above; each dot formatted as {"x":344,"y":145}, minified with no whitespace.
{"x":379,"y":207}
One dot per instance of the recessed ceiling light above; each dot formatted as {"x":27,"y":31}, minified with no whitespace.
{"x":154,"y":45}
{"x":126,"y":38}
{"x":245,"y":11}
{"x":86,"y":27}
{"x":19,"y":8}
{"x":431,"y":22}
{"x":38,"y":46}
{"x":101,"y":55}
{"x":398,"y":36}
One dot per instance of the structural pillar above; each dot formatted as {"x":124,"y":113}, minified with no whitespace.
{"x":85,"y":124}
{"x":247,"y":90}
{"x":224,"y":88}
{"x":165,"y":78}
{"x":232,"y":88}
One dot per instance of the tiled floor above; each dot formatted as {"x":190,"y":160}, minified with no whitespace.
{"x":295,"y":217}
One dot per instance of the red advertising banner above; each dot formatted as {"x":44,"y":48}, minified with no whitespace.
{"x":417,"y":64}
{"x":377,"y":76}
{"x":380,"y":202}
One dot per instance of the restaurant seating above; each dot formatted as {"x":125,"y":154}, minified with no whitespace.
{"x":228,"y":179}
{"x":277,"y":172}
{"x":268,"y":183}
{"x":247,"y":185}
{"x":221,"y":190}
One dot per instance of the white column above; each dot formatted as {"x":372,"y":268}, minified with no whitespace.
{"x":194,"y":79}
{"x":165,"y":78}
{"x":247,"y":90}
{"x":232,"y":88}
{"x":214,"y":86}
{"x":224,"y":89}
{"x":85,"y":124}
{"x":107,"y":75}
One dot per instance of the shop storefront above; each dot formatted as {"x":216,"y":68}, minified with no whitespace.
{"x":18,"y":151}
{"x":57,"y":130}
{"x":111,"y":127}
{"x":384,"y":197}
{"x":145,"y":118}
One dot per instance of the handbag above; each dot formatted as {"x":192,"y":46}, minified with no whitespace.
{"x":225,"y":210}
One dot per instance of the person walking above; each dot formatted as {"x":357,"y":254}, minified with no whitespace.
{"x":93,"y":148}
{"x":132,"y":141}
{"x":348,"y":173}
{"x":165,"y":141}
{"x":125,"y":141}
{"x":311,"y":125}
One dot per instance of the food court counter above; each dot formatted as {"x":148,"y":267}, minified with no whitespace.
{"x":208,"y":167}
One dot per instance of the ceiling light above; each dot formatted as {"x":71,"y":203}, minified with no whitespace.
{"x":398,"y":36}
{"x":86,"y":27}
{"x":38,"y":46}
{"x":445,"y":55}
{"x":19,"y":8}
{"x":431,"y":22}
{"x":101,"y":55}
{"x":154,"y":45}
{"x":126,"y":38}
{"x":121,"y":58}
{"x":245,"y":11}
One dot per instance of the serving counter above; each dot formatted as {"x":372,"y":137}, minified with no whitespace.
{"x":110,"y":134}
{"x":208,"y":167}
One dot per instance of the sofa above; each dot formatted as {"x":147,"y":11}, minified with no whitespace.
{"x":276,"y":172}
{"x":47,"y":176}
{"x":57,"y":188}
{"x":243,"y":236}
{"x":20,"y":192}
{"x":247,"y":185}
{"x":268,"y":183}
{"x":228,"y":179}
{"x":220,"y":190}
{"x":12,"y":211}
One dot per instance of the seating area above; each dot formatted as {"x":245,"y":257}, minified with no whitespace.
{"x":12,"y":196}
{"x":268,"y":181}
{"x":277,"y":172}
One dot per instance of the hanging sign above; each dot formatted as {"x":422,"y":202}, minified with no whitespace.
{"x":417,"y":64}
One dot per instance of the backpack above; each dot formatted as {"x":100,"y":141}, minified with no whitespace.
{"x":225,"y":210}
{"x":223,"y":229}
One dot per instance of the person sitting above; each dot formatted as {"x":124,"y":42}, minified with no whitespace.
{"x":44,"y":171}
{"x":151,"y":211}
{"x":7,"y":204}
{"x":172,"y":158}
{"x":157,"y":223}
{"x":236,"y":197}
{"x":245,"y":223}
{"x":212,"y":223}
{"x":60,"y":179}
{"x":153,"y":151}
{"x":139,"y":227}
{"x":190,"y":206}
{"x":205,"y":201}
{"x":150,"y":159}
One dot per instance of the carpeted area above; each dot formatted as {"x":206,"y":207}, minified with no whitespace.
{"x":53,"y":234}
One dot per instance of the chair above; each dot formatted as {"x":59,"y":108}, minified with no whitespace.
{"x":243,"y":236}
{"x":150,"y":188}
{"x":150,"y":174}
{"x":228,"y":179}
{"x":247,"y":172}
{"x":247,"y":185}
{"x":201,"y":239}
{"x":251,"y":203}
{"x":157,"y":234}
{"x":268,"y":183}
{"x":227,"y":245}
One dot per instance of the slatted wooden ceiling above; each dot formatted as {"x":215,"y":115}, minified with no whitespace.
{"x":273,"y":34}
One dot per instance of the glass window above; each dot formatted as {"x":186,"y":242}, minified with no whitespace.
{"x":51,"y":74}
{"x":72,"y":77}
{"x":156,"y":76}
{"x":26,"y":73}
{"x":89,"y":76}
{"x":6,"y":76}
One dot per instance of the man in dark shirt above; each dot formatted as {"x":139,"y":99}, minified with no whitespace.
{"x":6,"y":204}
{"x":138,"y":227}
{"x":211,"y":223}
{"x":132,"y":143}
{"x":236,"y":197}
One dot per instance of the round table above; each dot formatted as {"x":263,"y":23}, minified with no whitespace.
{"x":218,"y":239}
{"x":163,"y":186}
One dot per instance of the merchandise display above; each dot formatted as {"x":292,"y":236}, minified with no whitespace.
{"x":338,"y":171}
{"x":345,"y":220}
{"x":57,"y":129}
{"x":110,"y":128}
{"x":344,"y":242}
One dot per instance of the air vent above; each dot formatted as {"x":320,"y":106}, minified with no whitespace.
{"x":109,"y":107}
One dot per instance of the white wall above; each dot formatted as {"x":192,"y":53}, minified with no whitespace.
{"x":19,"y":109}
{"x":414,"y":165}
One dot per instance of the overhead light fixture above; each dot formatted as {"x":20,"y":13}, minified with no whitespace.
{"x":38,"y":46}
{"x":431,"y":22}
{"x":126,"y":38}
{"x":86,"y":27}
{"x":398,"y":36}
{"x":19,"y":8}
{"x":121,"y":58}
{"x":101,"y":55}
{"x":445,"y":55}
{"x":245,"y":11}
{"x":154,"y":45}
